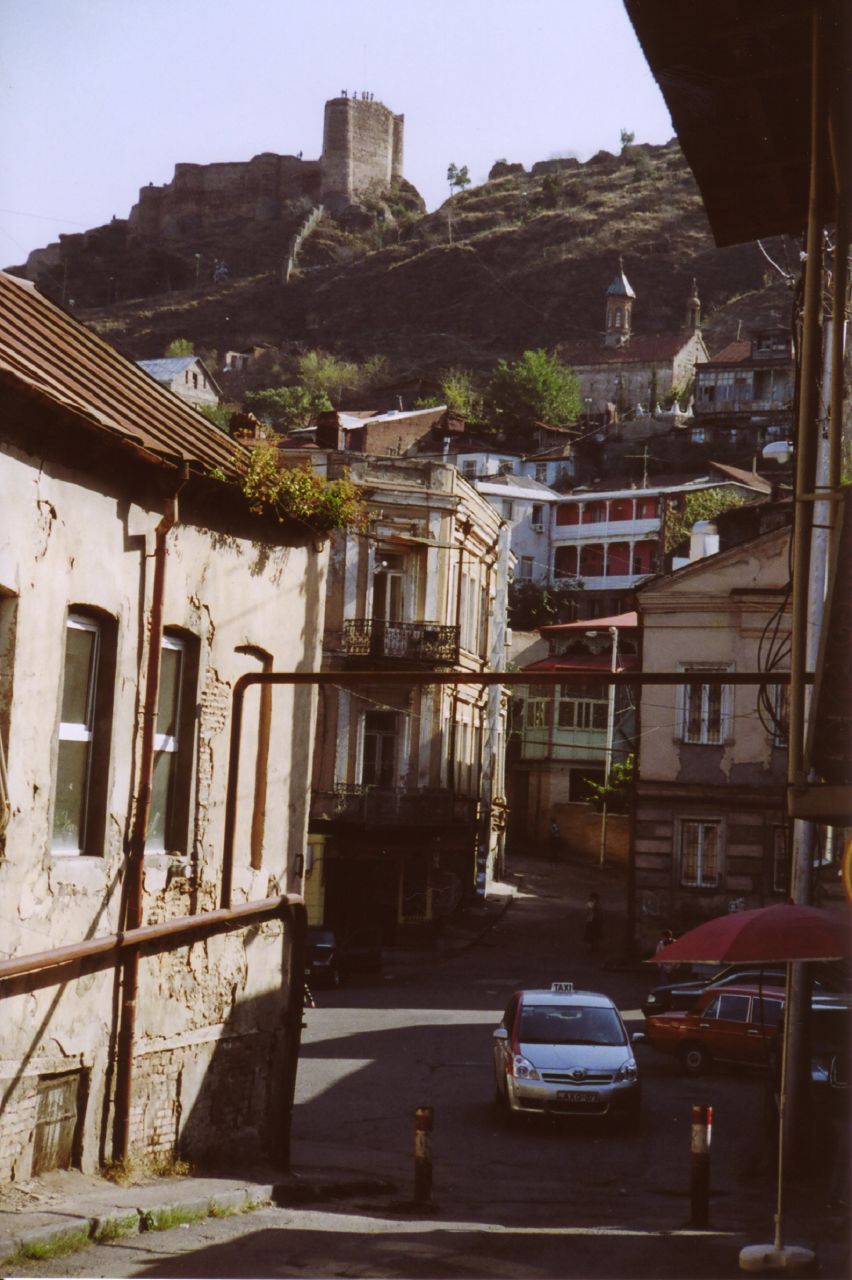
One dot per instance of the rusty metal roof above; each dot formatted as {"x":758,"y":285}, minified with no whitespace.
{"x":59,"y":359}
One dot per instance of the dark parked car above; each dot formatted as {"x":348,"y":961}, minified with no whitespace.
{"x":329,"y":959}
{"x":673,"y":996}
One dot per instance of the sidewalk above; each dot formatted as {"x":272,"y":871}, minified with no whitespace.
{"x":66,"y":1210}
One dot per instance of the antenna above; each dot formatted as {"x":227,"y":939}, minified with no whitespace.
{"x":645,"y":455}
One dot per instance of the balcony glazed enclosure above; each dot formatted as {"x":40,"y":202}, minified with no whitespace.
{"x":425,"y":644}
{"x":392,"y":806}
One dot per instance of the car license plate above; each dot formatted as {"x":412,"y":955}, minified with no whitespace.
{"x":568,"y":1095}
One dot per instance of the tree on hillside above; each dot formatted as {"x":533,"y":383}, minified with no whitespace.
{"x":627,"y":138}
{"x":287,"y":407}
{"x":180,"y":347}
{"x":457,"y":178}
{"x":532,"y":390}
{"x":324,"y":375}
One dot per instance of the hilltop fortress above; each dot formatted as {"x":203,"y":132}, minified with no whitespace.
{"x":362,"y":151}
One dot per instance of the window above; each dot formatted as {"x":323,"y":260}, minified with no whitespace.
{"x":508,"y":509}
{"x":594,"y":513}
{"x":378,"y":759}
{"x":568,"y":513}
{"x":697,"y":435}
{"x":537,"y":710}
{"x":705,"y":710}
{"x":644,"y":554}
{"x":780,"y":695}
{"x":541,"y":472}
{"x":525,"y":569}
{"x":537,"y":515}
{"x":388,"y":588}
{"x":565,"y":562}
{"x":592,"y":560}
{"x":730,"y":1008}
{"x":618,"y":316}
{"x":173,"y":748}
{"x":780,"y":861}
{"x":84,"y":718}
{"x":585,"y":709}
{"x":469,"y":468}
{"x":700,"y":854}
{"x":646,"y":508}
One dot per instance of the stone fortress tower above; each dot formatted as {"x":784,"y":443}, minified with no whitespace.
{"x":362,"y":147}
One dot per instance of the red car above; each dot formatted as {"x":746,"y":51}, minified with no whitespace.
{"x":737,"y":1024}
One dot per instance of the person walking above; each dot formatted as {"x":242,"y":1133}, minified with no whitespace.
{"x":593,"y":926}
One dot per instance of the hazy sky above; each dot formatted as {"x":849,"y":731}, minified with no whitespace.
{"x":100,"y":97}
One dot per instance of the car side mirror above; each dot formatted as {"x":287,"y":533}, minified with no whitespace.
{"x":501,"y":1034}
{"x":638,"y":1037}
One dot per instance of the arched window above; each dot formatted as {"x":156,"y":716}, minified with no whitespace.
{"x":618,"y":317}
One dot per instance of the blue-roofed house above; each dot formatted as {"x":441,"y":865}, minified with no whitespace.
{"x":187,"y":376}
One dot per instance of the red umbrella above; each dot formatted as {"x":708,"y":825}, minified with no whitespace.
{"x":785,"y":933}
{"x":770,"y":935}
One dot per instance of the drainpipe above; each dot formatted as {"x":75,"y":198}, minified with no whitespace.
{"x":136,"y":849}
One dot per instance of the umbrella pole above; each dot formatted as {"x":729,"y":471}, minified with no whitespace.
{"x":782,"y":1104}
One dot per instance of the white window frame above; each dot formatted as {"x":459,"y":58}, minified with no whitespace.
{"x":700,"y":880}
{"x":397,"y":749}
{"x":81,"y":731}
{"x":171,"y":744}
{"x":585,"y":709}
{"x":706,"y":694}
{"x":526,"y":568}
{"x":537,"y":707}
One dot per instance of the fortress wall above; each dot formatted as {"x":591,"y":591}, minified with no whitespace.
{"x":362,"y":147}
{"x":204,"y":196}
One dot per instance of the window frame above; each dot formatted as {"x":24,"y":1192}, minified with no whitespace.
{"x":700,"y":880}
{"x":179,"y":745}
{"x":706,"y":692}
{"x":95,"y":731}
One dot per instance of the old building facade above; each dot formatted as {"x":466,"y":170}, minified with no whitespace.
{"x":408,"y":807}
{"x":134,"y":591}
{"x":711,"y":827}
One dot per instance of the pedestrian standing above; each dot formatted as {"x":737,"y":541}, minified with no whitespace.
{"x":593,"y":927}
{"x":665,"y":939}
{"x":554,"y":839}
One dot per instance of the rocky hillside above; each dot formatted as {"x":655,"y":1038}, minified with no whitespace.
{"x":521,"y":261}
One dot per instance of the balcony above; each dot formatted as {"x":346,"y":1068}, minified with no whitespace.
{"x":426,"y":644}
{"x":392,"y":806}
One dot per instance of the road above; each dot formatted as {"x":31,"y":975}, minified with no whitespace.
{"x":520,"y":1198}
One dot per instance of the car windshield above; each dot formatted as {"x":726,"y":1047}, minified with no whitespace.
{"x":570,"y":1024}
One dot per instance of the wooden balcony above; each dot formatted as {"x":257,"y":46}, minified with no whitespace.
{"x":424,"y":644}
{"x":392,"y":806}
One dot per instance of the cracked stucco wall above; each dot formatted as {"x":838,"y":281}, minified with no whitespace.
{"x":65,"y":540}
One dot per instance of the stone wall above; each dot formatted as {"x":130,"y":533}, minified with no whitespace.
{"x":362,"y":148}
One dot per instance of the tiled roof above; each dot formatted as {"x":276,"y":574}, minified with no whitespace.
{"x":733,"y":353}
{"x":751,"y":478}
{"x":62,"y":361}
{"x":591,"y":624}
{"x":640,"y":349}
{"x":584,"y":662}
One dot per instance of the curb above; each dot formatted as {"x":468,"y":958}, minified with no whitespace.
{"x":72,"y":1232}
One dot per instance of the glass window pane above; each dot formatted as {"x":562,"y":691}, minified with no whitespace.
{"x":162,"y":788}
{"x":79,"y":665}
{"x":690,"y":853}
{"x":168,"y":702}
{"x":710,"y":858}
{"x":734,"y":1008}
{"x":71,"y":784}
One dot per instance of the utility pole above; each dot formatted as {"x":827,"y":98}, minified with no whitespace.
{"x":610,"y":733}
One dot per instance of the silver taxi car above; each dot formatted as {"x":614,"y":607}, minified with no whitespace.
{"x":565,"y":1052}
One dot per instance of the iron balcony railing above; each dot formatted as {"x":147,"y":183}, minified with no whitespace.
{"x":393,"y":806}
{"x":428,"y":643}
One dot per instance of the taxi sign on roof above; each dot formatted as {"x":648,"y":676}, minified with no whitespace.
{"x":562,"y":986}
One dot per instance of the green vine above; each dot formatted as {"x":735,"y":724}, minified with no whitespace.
{"x":704,"y":505}
{"x":298,"y":493}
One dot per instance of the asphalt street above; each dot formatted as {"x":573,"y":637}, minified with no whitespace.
{"x":526,"y":1198}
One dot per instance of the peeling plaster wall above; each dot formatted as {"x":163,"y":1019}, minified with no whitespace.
{"x":65,"y":540}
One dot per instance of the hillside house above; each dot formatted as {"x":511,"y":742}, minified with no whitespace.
{"x":408,"y":808}
{"x":527,"y":508}
{"x":744,"y":395}
{"x":614,"y":539}
{"x":187,"y":377}
{"x":134,"y":591}
{"x":626,"y":372}
{"x":566,"y":736}
{"x":711,"y":828}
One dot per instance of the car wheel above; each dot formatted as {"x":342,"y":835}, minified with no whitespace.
{"x":694,"y":1059}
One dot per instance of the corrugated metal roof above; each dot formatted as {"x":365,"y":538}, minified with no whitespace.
{"x":60,"y":359}
{"x":167,"y":368}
